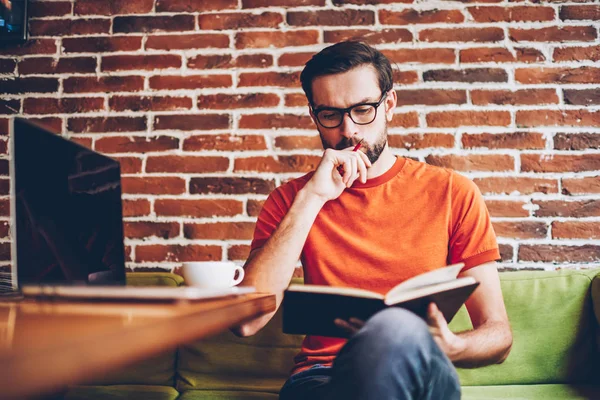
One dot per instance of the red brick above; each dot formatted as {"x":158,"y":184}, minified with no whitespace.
{"x":578,"y":54}
{"x":239,"y":20}
{"x":227,"y":61}
{"x":184,"y":42}
{"x":136,"y":144}
{"x":47,"y":65}
{"x":250,"y":40}
{"x":559,"y":163}
{"x":405,"y":77}
{"x":511,"y":14}
{"x":294,"y":59}
{"x":278,"y":79}
{"x":51,"y":123}
{"x":149,"y":103}
{"x":298,"y":142}
{"x":4,"y":150}
{"x":154,"y":185}
{"x":232,"y":101}
{"x":220,"y":231}
{"x":145,"y":229}
{"x":64,"y":27}
{"x":238,"y":252}
{"x":4,"y":126}
{"x":421,"y":141}
{"x":113,"y":7}
{"x":50,"y":9}
{"x":405,"y":120}
{"x":228,"y":185}
{"x":186,"y":164}
{"x":69,"y":105}
{"x":105,"y":84}
{"x":500,"y":55}
{"x":275,"y":121}
{"x":575,"y":230}
{"x":423,"y":56}
{"x":86,"y":142}
{"x":574,"y":209}
{"x":521,"y":229}
{"x":136,"y":208}
{"x":532,"y":118}
{"x":192,"y":122}
{"x":106,"y":124}
{"x":224,"y":143}
{"x":466,"y":75}
{"x":520,"y":185}
{"x":559,"y":254}
{"x":557,"y":75}
{"x":204,"y":208}
{"x":281,"y":3}
{"x":390,"y":35}
{"x":579,"y":13}
{"x":505,"y":208}
{"x":581,"y":185}
{"x":431,"y":97}
{"x":174,"y":82}
{"x":177,"y":253}
{"x":10,"y":106}
{"x":102,"y":44}
{"x":129,"y":165}
{"x":576,"y":141}
{"x":411,"y":16}
{"x":518,"y":97}
{"x":517,"y":140}
{"x":28,"y":85}
{"x":554,"y":34}
{"x":346,"y":17}
{"x":369,"y":2}
{"x":31,"y":46}
{"x":7,"y":66}
{"x":253,"y":207}
{"x":295,"y":100}
{"x":284,"y":164}
{"x":450,"y":119}
{"x":4,"y":229}
{"x":473,"y":162}
{"x":194,"y":5}
{"x":462,"y":35}
{"x":171,"y":23}
{"x":145,"y":62}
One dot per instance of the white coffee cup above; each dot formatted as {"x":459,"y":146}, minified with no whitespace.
{"x":212,"y":274}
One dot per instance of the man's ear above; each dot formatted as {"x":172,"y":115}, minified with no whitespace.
{"x":390,"y":104}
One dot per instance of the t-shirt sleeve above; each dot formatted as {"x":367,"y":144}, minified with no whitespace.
{"x":472,"y":238}
{"x":269,"y":218}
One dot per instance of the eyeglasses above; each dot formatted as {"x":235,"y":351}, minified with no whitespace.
{"x":360,"y":114}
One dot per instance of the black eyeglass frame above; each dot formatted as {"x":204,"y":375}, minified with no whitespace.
{"x":348,"y":110}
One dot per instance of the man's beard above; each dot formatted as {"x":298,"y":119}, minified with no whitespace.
{"x":372,"y":150}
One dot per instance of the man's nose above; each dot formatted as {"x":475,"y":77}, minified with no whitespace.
{"x":348,"y":126}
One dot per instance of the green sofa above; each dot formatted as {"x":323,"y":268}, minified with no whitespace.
{"x":555,"y":354}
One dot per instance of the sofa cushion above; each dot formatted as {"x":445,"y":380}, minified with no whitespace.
{"x":531,"y":392}
{"x":121,"y":392}
{"x":159,"y":369}
{"x":554,"y":330}
{"x":260,"y":363}
{"x":226,"y":395}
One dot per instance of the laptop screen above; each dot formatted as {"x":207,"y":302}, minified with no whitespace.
{"x":66,"y":211}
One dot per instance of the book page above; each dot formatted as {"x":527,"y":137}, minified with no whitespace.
{"x":428,"y":290}
{"x":439,"y":275}
{"x":342,"y":291}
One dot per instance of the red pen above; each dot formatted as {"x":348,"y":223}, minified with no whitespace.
{"x":340,"y":168}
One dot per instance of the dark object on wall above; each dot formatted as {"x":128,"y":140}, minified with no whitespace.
{"x":13,"y":21}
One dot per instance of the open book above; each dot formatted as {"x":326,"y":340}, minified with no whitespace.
{"x":311,"y":309}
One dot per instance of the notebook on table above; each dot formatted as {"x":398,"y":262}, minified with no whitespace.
{"x":67,"y":223}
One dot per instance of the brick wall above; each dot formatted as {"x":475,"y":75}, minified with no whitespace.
{"x":200,"y":101}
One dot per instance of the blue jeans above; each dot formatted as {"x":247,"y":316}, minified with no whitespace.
{"x":392,"y":357}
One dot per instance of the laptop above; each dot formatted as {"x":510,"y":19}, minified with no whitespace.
{"x":67,"y":223}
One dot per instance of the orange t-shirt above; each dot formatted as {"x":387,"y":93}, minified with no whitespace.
{"x":413,"y":218}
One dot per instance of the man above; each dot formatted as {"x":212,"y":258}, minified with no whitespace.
{"x":381,"y":220}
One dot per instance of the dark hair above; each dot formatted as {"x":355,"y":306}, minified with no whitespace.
{"x":342,"y":57}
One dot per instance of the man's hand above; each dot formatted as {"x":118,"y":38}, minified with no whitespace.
{"x":351,"y":326}
{"x":327,"y":183}
{"x":450,"y":343}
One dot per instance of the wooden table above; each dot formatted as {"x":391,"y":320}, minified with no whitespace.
{"x":45,"y":346}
